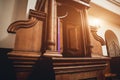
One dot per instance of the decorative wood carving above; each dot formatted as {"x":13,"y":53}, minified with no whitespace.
{"x":98,"y":38}
{"x":112,"y":44}
{"x":37,"y":38}
{"x":71,"y":28}
{"x":97,"y":42}
{"x":34,"y":16}
{"x":113,"y":49}
{"x":30,"y":42}
{"x":21,"y":24}
{"x":29,"y":33}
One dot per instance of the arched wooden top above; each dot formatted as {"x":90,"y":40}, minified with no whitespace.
{"x":96,"y":36}
{"x":112,"y":44}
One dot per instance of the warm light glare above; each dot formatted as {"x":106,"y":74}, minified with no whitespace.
{"x":94,"y":22}
{"x":97,"y":22}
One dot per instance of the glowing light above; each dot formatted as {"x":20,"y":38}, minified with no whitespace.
{"x":94,"y":22}
{"x":97,"y":22}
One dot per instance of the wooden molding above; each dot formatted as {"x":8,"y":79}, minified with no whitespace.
{"x":76,"y":3}
{"x":21,"y":24}
{"x":34,"y":16}
{"x":23,"y":61}
{"x":37,"y":14}
{"x":75,"y":68}
{"x":76,"y":65}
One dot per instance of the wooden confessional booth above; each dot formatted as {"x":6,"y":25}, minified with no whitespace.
{"x":56,"y":36}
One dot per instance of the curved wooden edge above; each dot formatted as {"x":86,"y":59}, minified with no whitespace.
{"x":34,"y":17}
{"x":97,"y":37}
{"x":21,"y":24}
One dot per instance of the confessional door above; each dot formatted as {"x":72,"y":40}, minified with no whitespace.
{"x":71,"y":31}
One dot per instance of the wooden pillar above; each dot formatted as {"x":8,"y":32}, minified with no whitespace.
{"x":51,"y":26}
{"x":52,"y":29}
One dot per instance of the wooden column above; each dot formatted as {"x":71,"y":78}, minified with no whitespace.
{"x":52,"y":30}
{"x":51,"y":26}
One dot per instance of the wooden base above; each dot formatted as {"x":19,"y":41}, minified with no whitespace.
{"x":23,"y":61}
{"x":79,"y":68}
{"x":63,"y":68}
{"x":52,"y":54}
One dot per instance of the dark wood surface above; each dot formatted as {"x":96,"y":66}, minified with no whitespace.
{"x":115,"y":65}
{"x":79,"y":68}
{"x":60,"y":68}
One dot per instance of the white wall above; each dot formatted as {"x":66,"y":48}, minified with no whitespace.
{"x":6,"y":11}
{"x":31,"y":5}
{"x":10,"y":10}
{"x":107,"y":5}
{"x":103,"y":27}
{"x":108,"y":20}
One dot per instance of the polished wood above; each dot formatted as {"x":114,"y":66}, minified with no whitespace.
{"x":79,"y":68}
{"x":72,"y":40}
{"x":29,"y":34}
{"x":52,"y":23}
{"x":36,"y":53}
{"x":64,"y":68}
{"x":113,"y":50}
{"x":112,"y":44}
{"x":76,"y":41}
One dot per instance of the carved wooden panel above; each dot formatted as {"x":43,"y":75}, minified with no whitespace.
{"x":113,"y":49}
{"x":112,"y":44}
{"x":26,"y":39}
{"x":72,"y":39}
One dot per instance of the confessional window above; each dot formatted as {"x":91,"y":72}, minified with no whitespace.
{"x":112,"y":42}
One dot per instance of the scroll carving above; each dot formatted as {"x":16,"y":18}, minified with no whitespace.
{"x":96,"y":36}
{"x":34,"y":16}
{"x":21,"y":24}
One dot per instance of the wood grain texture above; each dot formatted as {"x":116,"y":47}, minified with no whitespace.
{"x":37,"y":37}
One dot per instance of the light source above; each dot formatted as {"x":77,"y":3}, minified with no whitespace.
{"x":94,"y":26}
{"x":94,"y":23}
